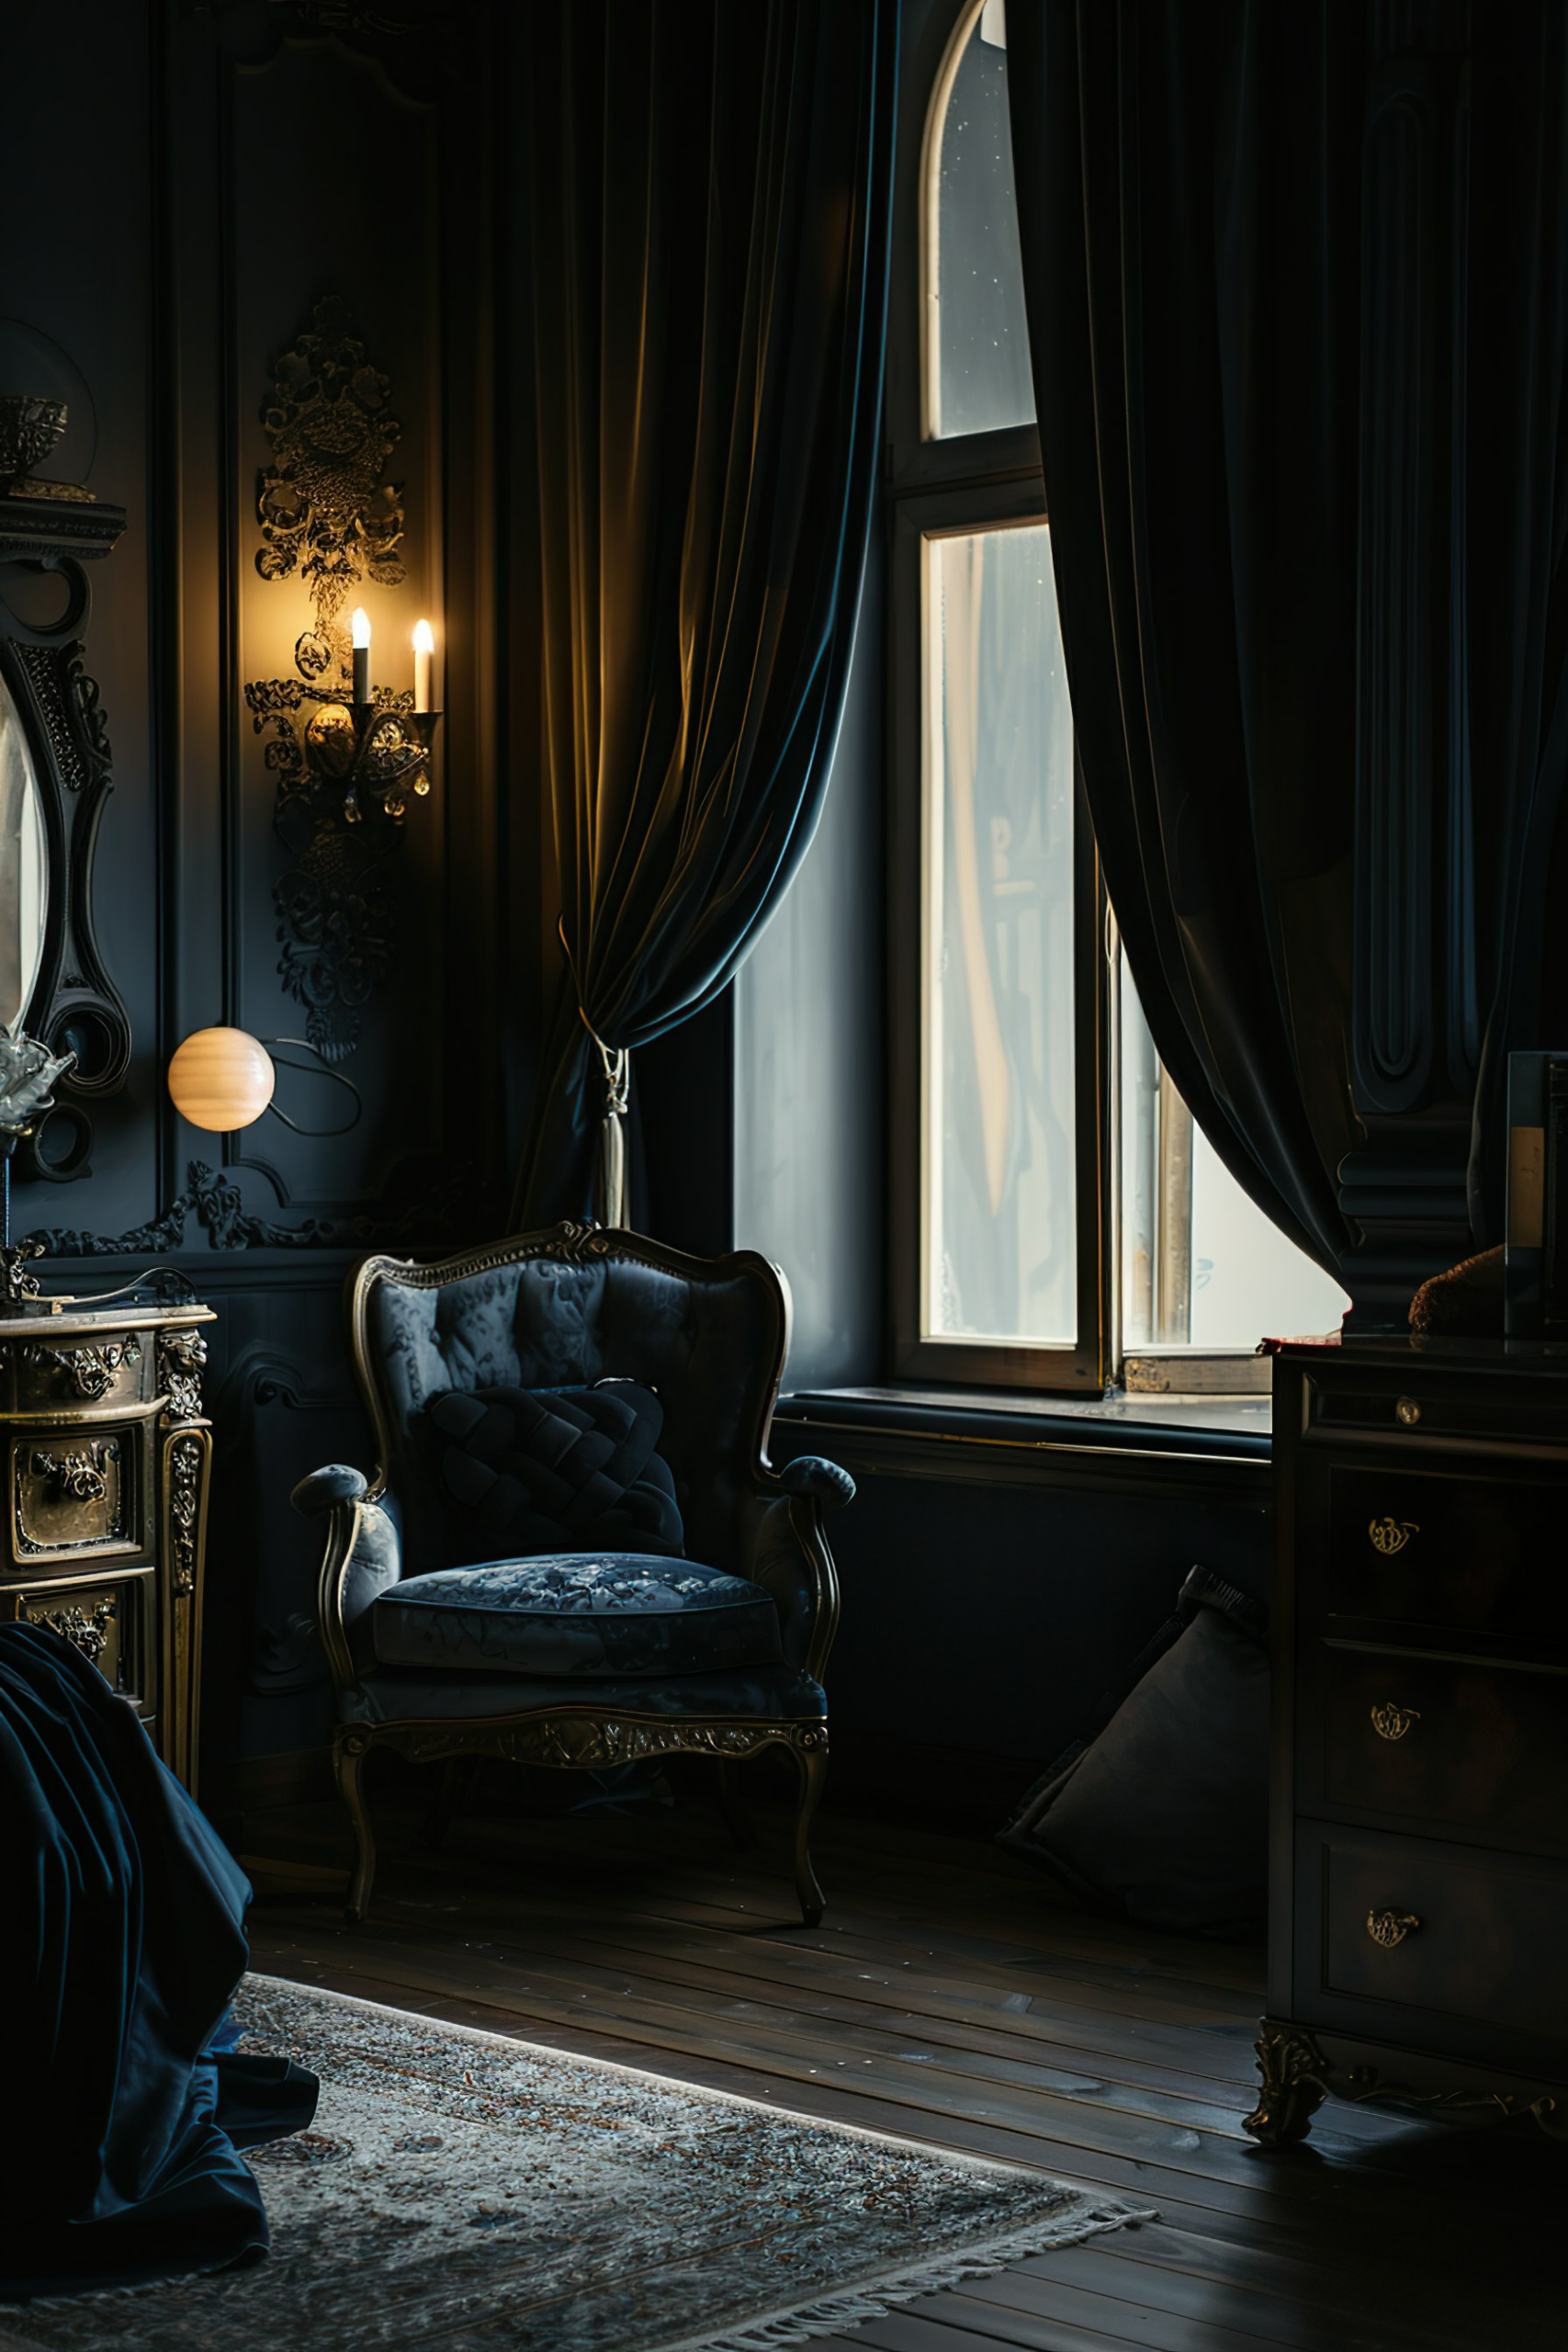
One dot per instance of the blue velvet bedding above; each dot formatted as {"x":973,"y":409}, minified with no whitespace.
{"x":121,"y":1940}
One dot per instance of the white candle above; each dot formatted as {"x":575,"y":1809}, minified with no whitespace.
{"x":424,"y":648}
{"x":361,"y":626}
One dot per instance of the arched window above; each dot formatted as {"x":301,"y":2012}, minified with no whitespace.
{"x":975,"y":343}
{"x":1055,"y":1215}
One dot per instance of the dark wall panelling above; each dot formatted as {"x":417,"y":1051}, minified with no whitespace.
{"x":992,"y":1592}
{"x":72,"y":296}
{"x":231,"y":164}
{"x":280,"y":1391}
{"x":1417,"y":978}
{"x":234,"y":164}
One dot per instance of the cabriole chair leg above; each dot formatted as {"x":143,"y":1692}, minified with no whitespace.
{"x":812,"y":1765}
{"x":349,"y":1764}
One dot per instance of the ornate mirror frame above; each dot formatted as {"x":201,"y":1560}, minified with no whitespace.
{"x":75,"y":1006}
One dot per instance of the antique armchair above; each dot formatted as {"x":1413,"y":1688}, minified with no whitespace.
{"x":482,"y":1662}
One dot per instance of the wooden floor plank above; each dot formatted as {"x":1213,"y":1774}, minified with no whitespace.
{"x":1206,"y":2152}
{"x":552,"y":1971}
{"x":1025,"y":2311}
{"x":938,"y":2004}
{"x":552,"y":1861}
{"x":1178,"y":2296}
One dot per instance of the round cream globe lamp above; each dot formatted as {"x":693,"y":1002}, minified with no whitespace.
{"x":221,"y":1078}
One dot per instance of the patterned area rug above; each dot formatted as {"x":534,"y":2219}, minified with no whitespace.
{"x":470,"y":2193}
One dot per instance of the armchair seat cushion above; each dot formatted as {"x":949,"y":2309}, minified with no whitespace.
{"x":576,"y":1613}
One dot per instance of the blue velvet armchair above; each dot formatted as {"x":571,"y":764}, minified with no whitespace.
{"x":577,"y":1657}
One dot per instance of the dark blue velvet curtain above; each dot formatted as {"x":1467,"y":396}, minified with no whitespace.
{"x":708,"y":234}
{"x":1191,"y":213}
{"x":121,"y":1940}
{"x":1189,"y":205}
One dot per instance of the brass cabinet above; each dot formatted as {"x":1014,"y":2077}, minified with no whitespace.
{"x":1419,"y":1775}
{"x":105,"y":1488}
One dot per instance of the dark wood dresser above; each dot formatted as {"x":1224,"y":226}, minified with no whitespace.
{"x":106,"y":1450}
{"x":1418,"y":1920}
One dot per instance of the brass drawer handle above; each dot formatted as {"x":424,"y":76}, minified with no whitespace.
{"x":1389,"y":1722}
{"x":76,"y":1475}
{"x":1407,"y":1410}
{"x":1389,"y":1535}
{"x":91,"y":1370}
{"x":89,"y":1635}
{"x":1387,"y":1928}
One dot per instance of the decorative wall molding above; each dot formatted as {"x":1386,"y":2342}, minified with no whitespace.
{"x":329,"y":515}
{"x":369,"y":19}
{"x":216,"y":1204}
{"x":1415,"y":1028}
{"x":76,"y":1007}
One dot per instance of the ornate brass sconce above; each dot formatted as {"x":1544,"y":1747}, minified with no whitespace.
{"x":343,"y":752}
{"x":372,"y":755}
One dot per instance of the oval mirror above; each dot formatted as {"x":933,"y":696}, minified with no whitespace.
{"x":24,"y":866}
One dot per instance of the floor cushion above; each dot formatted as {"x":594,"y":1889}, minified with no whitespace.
{"x":1160,"y":1812}
{"x":578,"y":1613}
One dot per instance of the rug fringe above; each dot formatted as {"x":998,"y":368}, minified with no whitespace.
{"x":875,"y":2300}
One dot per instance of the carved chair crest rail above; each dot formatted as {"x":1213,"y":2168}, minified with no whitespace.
{"x":467,"y":1666}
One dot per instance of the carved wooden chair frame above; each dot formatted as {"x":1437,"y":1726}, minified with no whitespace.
{"x":566,"y":1734}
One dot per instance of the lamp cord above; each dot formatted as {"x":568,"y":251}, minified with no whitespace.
{"x":321,"y":1067}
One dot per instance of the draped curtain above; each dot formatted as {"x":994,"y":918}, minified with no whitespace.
{"x":1516,"y":526}
{"x":709,"y":221}
{"x":1187,"y":187}
{"x":1194,"y":237}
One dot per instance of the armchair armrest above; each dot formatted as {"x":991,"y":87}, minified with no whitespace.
{"x":810,"y":1474}
{"x":363,"y":1557}
{"x":786,"y":1552}
{"x":333,"y":1483}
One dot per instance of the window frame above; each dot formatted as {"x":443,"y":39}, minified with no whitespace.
{"x":920,"y":517}
{"x":940,"y":488}
{"x":936,"y":487}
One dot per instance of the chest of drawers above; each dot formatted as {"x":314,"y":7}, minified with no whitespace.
{"x":105,"y":1451}
{"x":1418,"y":1909}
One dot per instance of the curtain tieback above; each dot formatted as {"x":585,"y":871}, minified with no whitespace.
{"x":611,"y":1204}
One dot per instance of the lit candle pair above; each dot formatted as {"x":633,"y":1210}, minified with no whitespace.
{"x":423,"y":651}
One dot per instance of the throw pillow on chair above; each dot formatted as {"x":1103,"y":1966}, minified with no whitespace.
{"x":555,"y":1469}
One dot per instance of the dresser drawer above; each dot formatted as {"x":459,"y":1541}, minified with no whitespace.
{"x":76,"y":1374}
{"x":1455,"y":1553}
{"x":1416,"y":1942}
{"x":1424,"y":1406}
{"x":109,"y":1623}
{"x":1459,"y":1749}
{"x":76,"y":1492}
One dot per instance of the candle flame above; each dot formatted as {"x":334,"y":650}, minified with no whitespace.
{"x":424,"y":638}
{"x":361,"y":626}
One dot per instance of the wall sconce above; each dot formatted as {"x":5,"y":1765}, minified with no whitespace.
{"x":373,"y":751}
{"x":339,"y":749}
{"x":222,"y":1080}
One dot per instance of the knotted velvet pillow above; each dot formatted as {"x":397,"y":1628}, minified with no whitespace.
{"x":538,"y":1470}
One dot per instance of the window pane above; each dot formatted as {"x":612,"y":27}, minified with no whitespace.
{"x":997,"y":1175}
{"x":1202,"y":1266}
{"x":977,"y":344}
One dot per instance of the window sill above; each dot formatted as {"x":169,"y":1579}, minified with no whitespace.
{"x":1229,"y":1426}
